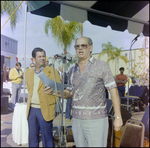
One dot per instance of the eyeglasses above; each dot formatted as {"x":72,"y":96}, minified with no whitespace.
{"x":84,"y":46}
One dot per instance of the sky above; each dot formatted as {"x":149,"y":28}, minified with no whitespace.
{"x":36,"y":37}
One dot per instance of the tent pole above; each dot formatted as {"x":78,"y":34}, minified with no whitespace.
{"x":101,"y":12}
{"x":25,"y":49}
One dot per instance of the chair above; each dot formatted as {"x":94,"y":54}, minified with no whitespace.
{"x":133,"y":134}
{"x":134,"y":97}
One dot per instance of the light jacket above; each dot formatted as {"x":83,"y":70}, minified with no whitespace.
{"x":47,"y":102}
{"x":13,"y":75}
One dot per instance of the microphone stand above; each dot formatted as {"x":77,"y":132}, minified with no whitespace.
{"x":62,"y":139}
{"x":132,"y":42}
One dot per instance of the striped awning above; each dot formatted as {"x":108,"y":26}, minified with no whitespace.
{"x":120,"y":15}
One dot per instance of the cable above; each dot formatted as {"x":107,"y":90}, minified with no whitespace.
{"x":11,"y":15}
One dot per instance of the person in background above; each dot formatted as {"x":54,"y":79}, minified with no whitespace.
{"x":47,"y":62}
{"x":6,"y":75}
{"x":121,"y":79}
{"x":88,"y":78}
{"x":32,"y":65}
{"x":50,"y":64}
{"x":40,"y":106}
{"x":6,"y":81}
{"x":16,"y":77}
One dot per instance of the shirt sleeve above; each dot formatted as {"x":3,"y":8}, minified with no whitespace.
{"x":108,"y":79}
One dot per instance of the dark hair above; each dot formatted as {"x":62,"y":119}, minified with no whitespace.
{"x":50,"y":64}
{"x":121,"y":68}
{"x":35,"y":50}
{"x":18,"y":63}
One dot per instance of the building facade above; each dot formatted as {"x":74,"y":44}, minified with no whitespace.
{"x":9,"y":48}
{"x":137,"y":57}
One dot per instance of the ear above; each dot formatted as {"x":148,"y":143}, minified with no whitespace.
{"x":91,"y":48}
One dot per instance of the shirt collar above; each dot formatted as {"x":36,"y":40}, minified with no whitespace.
{"x":41,"y":69}
{"x":91,"y":60}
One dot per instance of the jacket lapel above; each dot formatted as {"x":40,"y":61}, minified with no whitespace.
{"x":32,"y":77}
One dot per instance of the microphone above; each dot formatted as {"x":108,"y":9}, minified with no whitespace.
{"x":68,"y":58}
{"x":136,"y":38}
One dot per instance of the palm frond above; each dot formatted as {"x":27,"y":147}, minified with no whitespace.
{"x":9,"y":7}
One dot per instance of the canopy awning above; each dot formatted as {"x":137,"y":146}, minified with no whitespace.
{"x":120,"y":15}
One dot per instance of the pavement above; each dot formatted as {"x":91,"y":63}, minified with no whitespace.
{"x":6,"y":129}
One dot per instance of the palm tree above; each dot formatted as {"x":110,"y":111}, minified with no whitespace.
{"x":115,"y":56}
{"x":9,"y":7}
{"x":64,"y":32}
{"x":107,"y":48}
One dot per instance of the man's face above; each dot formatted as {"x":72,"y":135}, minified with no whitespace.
{"x":18,"y":67}
{"x":83,"y":49}
{"x":46,"y":62}
{"x":121,"y":71}
{"x":40,"y":59}
{"x":8,"y":69}
{"x":61,"y":68}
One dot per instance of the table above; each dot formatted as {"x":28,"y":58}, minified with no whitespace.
{"x":20,"y":124}
{"x":132,"y":100}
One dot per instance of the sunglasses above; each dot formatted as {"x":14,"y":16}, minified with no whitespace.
{"x":84,"y":46}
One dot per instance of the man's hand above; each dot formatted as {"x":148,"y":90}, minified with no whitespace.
{"x":67,"y":94}
{"x":48,"y":90}
{"x":117,"y":124}
{"x":20,"y":76}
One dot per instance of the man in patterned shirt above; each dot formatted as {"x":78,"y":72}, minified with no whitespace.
{"x":88,"y":78}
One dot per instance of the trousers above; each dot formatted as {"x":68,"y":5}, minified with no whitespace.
{"x":16,"y":91}
{"x":37,"y":123}
{"x":90,"y":133}
{"x":121,"y":90}
{"x":68,"y":109}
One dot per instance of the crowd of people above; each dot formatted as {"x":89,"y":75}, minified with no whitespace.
{"x":86,"y":98}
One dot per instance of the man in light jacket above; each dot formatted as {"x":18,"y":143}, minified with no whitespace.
{"x":16,"y":76}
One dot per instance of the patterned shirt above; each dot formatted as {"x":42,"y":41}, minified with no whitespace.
{"x":88,"y":89}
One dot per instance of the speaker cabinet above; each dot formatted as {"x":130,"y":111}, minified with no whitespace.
{"x":141,"y":91}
